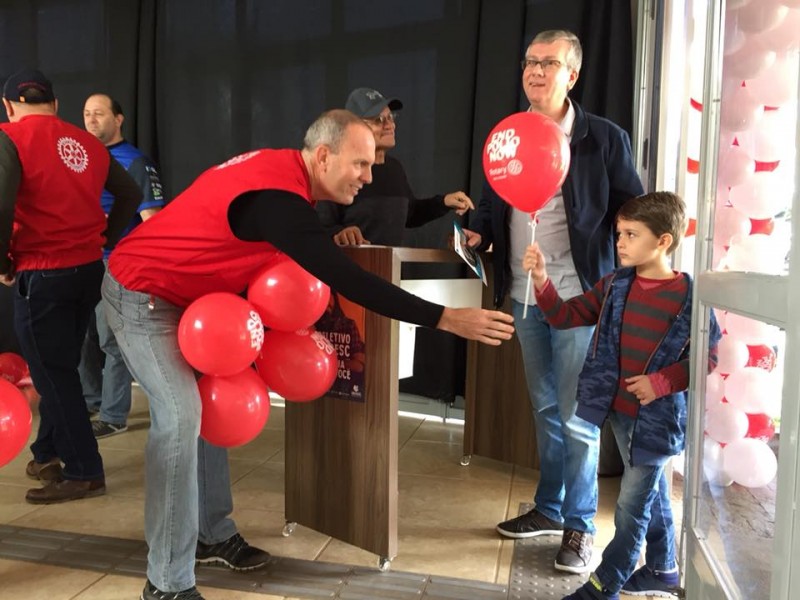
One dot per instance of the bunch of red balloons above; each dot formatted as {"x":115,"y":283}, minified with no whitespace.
{"x":296,"y":362}
{"x":222,"y":335}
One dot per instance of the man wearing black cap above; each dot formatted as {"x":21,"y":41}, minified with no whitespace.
{"x":52,"y":232}
{"x":385,"y":207}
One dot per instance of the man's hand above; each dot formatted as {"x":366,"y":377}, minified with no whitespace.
{"x":640,"y":386}
{"x":459,"y":201}
{"x":487,"y":326}
{"x":350,"y":236}
{"x":473,"y":239}
{"x":8,"y":279}
{"x":533,"y":262}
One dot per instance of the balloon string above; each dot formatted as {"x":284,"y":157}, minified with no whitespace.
{"x":532,"y":225}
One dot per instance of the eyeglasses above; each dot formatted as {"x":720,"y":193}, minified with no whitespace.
{"x":382,"y":120}
{"x":548,"y":65}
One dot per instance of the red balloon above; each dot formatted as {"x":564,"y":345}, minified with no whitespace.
{"x":299,"y":365}
{"x":220,"y":334}
{"x":762,"y":356}
{"x":765,"y":226}
{"x":15,"y":422}
{"x":525,"y":160}
{"x":691,"y":228}
{"x":287,"y":296}
{"x":235,"y":408}
{"x":761,"y":427}
{"x":13,"y":367}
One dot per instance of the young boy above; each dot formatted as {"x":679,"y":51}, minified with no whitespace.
{"x":635,"y":375}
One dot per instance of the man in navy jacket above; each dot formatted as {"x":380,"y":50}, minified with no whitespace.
{"x":576,"y":232}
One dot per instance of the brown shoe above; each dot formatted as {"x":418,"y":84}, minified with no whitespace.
{"x":46,"y":471}
{"x":65,"y":490}
{"x":575,"y":552}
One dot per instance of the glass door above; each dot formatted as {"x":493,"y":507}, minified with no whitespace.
{"x":739,"y":503}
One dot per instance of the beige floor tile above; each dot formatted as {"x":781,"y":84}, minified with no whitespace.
{"x":12,"y":502}
{"x":263,"y":448}
{"x":263,"y":528}
{"x":117,"y":587}
{"x":471,"y":504}
{"x":444,"y":460}
{"x":434,"y":430}
{"x":261,"y":488}
{"x":406,"y":428}
{"x":43,"y":582}
{"x":109,"y":515}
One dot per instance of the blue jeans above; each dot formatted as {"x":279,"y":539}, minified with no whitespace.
{"x":51,"y":312}
{"x":643,"y":514}
{"x":188,"y":491}
{"x":568,"y":446}
{"x":108,"y":368}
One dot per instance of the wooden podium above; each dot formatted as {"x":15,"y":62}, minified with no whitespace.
{"x":498,"y":422}
{"x":341,"y":455}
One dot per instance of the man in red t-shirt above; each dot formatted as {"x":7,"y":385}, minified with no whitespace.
{"x":52,"y":232}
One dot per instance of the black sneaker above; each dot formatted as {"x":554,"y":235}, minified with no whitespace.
{"x":151,"y":592}
{"x":531,"y":524}
{"x":233,"y":552}
{"x":102,"y":429}
{"x":575,"y":552}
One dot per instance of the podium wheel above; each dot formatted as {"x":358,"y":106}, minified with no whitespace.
{"x":465,"y":460}
{"x":384,"y":563}
{"x":288,"y":529}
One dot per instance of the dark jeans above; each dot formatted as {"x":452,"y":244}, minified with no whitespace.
{"x":51,"y":312}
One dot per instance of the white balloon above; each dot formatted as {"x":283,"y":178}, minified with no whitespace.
{"x":761,"y":16}
{"x":732,"y":354}
{"x":749,"y":61}
{"x":715,"y":389}
{"x":739,"y":108}
{"x":752,"y":390}
{"x":725,"y":423}
{"x":750,"y":462}
{"x":777,"y":84}
{"x":722,"y":317}
{"x":734,"y":167}
{"x":771,"y":141}
{"x":757,"y":253}
{"x":784,"y":37}
{"x":762,"y":196}
{"x":750,"y":331}
{"x":728,"y":223}
{"x":712,"y":463}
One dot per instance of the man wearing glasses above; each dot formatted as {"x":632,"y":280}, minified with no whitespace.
{"x":385,"y":207}
{"x":576,"y":232}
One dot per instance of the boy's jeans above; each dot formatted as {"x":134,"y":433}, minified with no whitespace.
{"x":643,"y":513}
{"x":187,"y":480}
{"x":568,"y":446}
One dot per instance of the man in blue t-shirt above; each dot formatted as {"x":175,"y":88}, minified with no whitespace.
{"x":104,"y":376}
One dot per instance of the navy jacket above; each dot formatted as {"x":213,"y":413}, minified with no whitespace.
{"x":660,"y":427}
{"x":600,"y":179}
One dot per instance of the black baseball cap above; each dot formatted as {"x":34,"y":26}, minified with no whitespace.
{"x":367,"y":103}
{"x":29,"y":86}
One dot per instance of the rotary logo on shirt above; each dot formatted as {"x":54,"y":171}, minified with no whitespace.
{"x":73,"y":154}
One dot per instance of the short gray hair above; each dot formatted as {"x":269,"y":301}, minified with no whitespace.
{"x":575,"y":52}
{"x":329,"y":129}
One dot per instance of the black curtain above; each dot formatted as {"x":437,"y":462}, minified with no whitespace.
{"x":202,"y":81}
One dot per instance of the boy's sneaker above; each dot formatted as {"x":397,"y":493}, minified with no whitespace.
{"x":647,"y":582}
{"x":592,"y":590}
{"x":151,"y":592}
{"x":531,"y":524}
{"x":233,"y":552}
{"x":102,"y":429}
{"x":575,"y":552}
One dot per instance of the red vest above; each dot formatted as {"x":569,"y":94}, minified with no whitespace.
{"x":58,"y":221}
{"x":188,"y":250}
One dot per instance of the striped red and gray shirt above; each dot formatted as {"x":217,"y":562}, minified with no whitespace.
{"x":651,"y":307}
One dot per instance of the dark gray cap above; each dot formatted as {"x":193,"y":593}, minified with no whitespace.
{"x":29,"y":86}
{"x":367,"y":103}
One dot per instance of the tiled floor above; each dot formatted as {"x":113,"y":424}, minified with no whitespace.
{"x":447,"y":512}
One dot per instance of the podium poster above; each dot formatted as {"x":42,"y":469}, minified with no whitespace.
{"x":343,"y":326}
